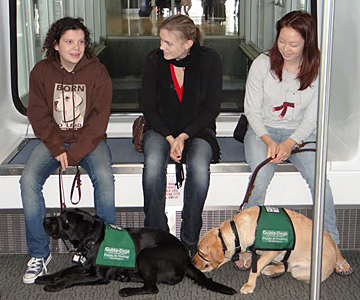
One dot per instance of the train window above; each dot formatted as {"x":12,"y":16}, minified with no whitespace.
{"x":260,"y":19}
{"x":124,"y":31}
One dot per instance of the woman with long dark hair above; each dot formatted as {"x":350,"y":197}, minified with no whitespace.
{"x":281,"y":106}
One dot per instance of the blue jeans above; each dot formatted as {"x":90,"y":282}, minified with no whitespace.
{"x":255,"y":153}
{"x":198,"y":159}
{"x":40,"y":165}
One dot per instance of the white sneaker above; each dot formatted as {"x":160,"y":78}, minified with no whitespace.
{"x":35,"y":268}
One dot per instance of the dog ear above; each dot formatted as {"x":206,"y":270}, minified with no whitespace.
{"x":86,"y":216}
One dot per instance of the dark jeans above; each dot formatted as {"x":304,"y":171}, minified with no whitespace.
{"x":156,"y":154}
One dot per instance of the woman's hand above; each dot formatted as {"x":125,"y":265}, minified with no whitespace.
{"x":280,"y":152}
{"x":177,"y":147}
{"x":62,"y":158}
{"x":171,"y":142}
{"x":271,"y":146}
{"x":283,"y":150}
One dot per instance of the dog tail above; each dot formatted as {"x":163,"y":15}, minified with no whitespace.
{"x":200,"y":278}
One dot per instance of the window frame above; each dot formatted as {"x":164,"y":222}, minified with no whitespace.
{"x":14,"y":59}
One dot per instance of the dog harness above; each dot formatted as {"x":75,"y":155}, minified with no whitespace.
{"x":117,"y":249}
{"x":274,"y":232}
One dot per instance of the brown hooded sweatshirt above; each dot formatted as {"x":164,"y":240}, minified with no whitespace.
{"x":70,"y":107}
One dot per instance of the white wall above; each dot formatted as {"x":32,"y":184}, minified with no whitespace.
{"x":344,"y":115}
{"x":12,"y":123}
{"x":345,"y":87}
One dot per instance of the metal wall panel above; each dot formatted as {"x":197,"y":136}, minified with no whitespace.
{"x":13,"y":238}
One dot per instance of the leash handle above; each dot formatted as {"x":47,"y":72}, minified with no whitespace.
{"x":297,"y":149}
{"x":61,"y":192}
{"x":76,"y":181}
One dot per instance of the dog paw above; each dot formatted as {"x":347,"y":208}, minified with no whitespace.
{"x":126,"y":292}
{"x":52,"y":288}
{"x":43,"y":280}
{"x":272,"y":270}
{"x":123,"y":278}
{"x":247,"y":289}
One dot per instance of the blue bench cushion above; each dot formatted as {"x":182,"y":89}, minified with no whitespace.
{"x":123,"y":151}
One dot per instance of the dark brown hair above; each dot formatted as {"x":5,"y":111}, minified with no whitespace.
{"x":305,"y":25}
{"x":184,"y":25}
{"x":56,"y":31}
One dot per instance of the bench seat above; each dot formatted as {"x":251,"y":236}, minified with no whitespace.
{"x":126,"y":160}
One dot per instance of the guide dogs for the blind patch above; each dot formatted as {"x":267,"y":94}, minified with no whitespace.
{"x":154,"y":256}
{"x":217,"y":247}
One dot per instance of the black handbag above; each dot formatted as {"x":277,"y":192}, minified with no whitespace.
{"x":241,"y":128}
{"x":137,"y":133}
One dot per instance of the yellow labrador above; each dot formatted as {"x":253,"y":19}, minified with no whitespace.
{"x":217,"y":247}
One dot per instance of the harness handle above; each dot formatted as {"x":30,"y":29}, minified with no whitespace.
{"x":250,"y":187}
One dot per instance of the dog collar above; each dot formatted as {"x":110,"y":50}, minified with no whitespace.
{"x":202,"y":257}
{"x":90,"y":244}
{"x":237,"y":241}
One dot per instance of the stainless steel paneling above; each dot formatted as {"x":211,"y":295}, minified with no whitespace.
{"x":13,"y":238}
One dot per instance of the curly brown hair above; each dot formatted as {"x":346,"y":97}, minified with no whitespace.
{"x":305,"y":25}
{"x":57,"y":30}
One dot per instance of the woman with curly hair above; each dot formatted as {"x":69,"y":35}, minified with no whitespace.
{"x":58,"y":29}
{"x":69,"y":107}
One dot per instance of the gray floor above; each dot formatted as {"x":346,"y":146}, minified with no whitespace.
{"x":334,"y":288}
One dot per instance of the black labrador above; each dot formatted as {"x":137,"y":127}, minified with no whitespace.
{"x":161,"y":257}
